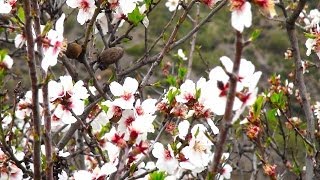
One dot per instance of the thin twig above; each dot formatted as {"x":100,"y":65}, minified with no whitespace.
{"x":193,"y":43}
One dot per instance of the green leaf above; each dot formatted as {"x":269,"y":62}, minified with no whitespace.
{"x":171,"y":95}
{"x":279,"y":100}
{"x":157,"y":175}
{"x":198,"y":93}
{"x":271,"y":115}
{"x":257,"y":106}
{"x":171,"y":80}
{"x":255,"y":34}
{"x":105,"y":129}
{"x":47,"y":28}
{"x":20,"y":14}
{"x":104,"y":108}
{"x":135,"y":16}
{"x":182,"y":72}
{"x":309,"y":35}
{"x":197,"y":132}
{"x":3,"y":54}
{"x":148,"y":3}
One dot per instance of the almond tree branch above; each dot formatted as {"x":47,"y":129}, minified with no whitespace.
{"x":68,"y":135}
{"x":8,"y":151}
{"x":227,"y":118}
{"x":291,"y":31}
{"x":142,"y":61}
{"x":193,"y":43}
{"x":36,"y":121}
{"x":166,"y":48}
{"x":45,"y":93}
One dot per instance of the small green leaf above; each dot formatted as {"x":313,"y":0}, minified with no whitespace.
{"x":3,"y":54}
{"x":255,"y":34}
{"x":47,"y":28}
{"x":257,"y":106}
{"x":271,"y":115}
{"x":198,"y":93}
{"x":148,"y":3}
{"x":197,"y":132}
{"x":309,"y":35}
{"x":135,"y":16}
{"x":171,"y":95}
{"x":182,"y":72}
{"x":157,"y":175}
{"x":105,"y":129}
{"x":20,"y":14}
{"x":171,"y":80}
{"x":104,"y":108}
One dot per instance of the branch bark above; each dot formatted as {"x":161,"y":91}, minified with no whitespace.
{"x":227,"y":118}
{"x":193,"y":43}
{"x":291,"y":31}
{"x":34,"y":87}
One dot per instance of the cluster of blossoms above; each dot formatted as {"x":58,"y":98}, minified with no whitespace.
{"x":191,"y":109}
{"x":65,"y":98}
{"x":52,"y":43}
{"x":241,"y":16}
{"x":121,"y":9}
{"x":312,"y":25}
{"x":193,"y":103}
{"x":132,"y":121}
{"x":9,"y":170}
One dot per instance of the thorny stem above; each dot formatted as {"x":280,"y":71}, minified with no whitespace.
{"x":227,"y":118}
{"x":36,"y":121}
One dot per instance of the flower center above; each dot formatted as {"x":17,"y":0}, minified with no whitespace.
{"x":126,"y":96}
{"x":129,"y":120}
{"x":167,"y":155}
{"x":84,"y":5}
{"x":199,"y":147}
{"x":237,"y":5}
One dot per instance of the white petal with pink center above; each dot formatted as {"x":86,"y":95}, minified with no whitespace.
{"x":55,"y":38}
{"x":86,"y":9}
{"x":166,"y":160}
{"x":127,"y":6}
{"x":8,"y":61}
{"x":242,"y":17}
{"x":198,"y":151}
{"x":183,"y":129}
{"x":226,"y":172}
{"x":5,"y":8}
{"x":125,"y":92}
{"x":148,"y":106}
{"x":187,"y":92}
{"x":126,"y":120}
{"x":19,"y":41}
